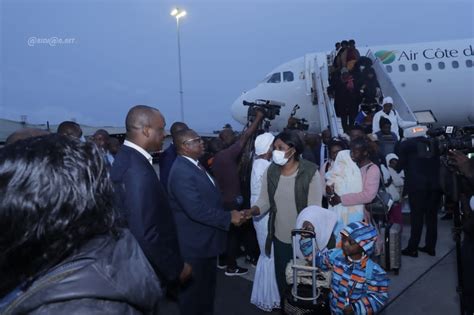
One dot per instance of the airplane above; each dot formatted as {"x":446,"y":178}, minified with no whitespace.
{"x":436,"y":76}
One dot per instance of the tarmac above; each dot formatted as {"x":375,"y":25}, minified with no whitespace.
{"x":425,"y":285}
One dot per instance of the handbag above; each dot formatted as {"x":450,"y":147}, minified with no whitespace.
{"x":382,"y":202}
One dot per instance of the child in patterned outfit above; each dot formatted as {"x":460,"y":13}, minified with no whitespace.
{"x":359,"y":285}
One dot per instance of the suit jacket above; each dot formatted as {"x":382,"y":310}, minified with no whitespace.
{"x":201,"y":220}
{"x":145,"y":207}
{"x":421,"y":174}
{"x":317,"y":155}
{"x":166,"y":161}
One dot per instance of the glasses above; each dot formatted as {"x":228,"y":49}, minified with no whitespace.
{"x":194,"y":140}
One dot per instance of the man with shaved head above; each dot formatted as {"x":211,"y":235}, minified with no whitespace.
{"x":70,"y":129}
{"x":168,"y":156}
{"x":201,"y":219}
{"x":142,"y":198}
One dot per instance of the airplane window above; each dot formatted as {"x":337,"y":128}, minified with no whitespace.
{"x":455,"y":64}
{"x":414,"y":67}
{"x":441,"y":65}
{"x":401,"y":68}
{"x":428,"y":66}
{"x":389,"y":69}
{"x":275,"y":78}
{"x":288,"y":76}
{"x":469,"y":63}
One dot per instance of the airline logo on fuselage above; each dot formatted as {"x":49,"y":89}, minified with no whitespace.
{"x":389,"y":56}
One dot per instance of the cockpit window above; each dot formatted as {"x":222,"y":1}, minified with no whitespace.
{"x":288,"y":76}
{"x":275,"y":78}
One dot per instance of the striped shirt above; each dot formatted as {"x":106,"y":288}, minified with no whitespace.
{"x":361,"y":284}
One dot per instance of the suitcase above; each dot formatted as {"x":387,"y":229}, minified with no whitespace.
{"x":302,"y":299}
{"x":391,"y":259}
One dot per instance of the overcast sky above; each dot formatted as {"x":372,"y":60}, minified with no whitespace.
{"x":120,"y":53}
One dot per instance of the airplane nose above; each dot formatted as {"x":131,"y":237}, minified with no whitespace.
{"x":239,"y":111}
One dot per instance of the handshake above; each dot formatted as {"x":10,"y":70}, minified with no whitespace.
{"x":240,"y":217}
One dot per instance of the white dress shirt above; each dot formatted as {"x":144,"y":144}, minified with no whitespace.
{"x":139,"y":149}
{"x":323,"y":154}
{"x":197,"y":165}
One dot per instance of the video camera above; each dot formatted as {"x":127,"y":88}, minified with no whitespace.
{"x":270,"y":108}
{"x":297,"y":123}
{"x":441,"y":140}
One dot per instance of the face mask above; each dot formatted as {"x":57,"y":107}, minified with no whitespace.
{"x":279,"y":157}
{"x":82,"y":139}
{"x":306,"y":246}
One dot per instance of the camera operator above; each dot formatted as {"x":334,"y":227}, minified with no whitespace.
{"x":226,"y":171}
{"x":422,"y":180}
{"x":465,"y":167}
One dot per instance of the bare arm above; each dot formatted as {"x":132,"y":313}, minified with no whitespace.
{"x":251,"y":129}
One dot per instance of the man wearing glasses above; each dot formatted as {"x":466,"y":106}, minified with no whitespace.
{"x":201,"y":221}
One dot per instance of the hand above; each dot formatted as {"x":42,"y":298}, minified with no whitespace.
{"x":237,"y":217}
{"x":259,"y":115}
{"x":249,"y":213}
{"x":185,"y":273}
{"x":348,"y":310}
{"x":334,"y":200}
{"x":330,"y":190}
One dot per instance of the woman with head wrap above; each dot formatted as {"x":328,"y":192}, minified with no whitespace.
{"x":320,"y":221}
{"x":265,"y":290}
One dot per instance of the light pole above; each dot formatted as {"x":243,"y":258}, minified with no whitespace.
{"x":177,"y":13}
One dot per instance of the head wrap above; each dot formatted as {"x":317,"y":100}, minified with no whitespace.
{"x":263,"y":143}
{"x":390,"y":157}
{"x":323,"y":221}
{"x":363,"y":234}
{"x":387,"y":100}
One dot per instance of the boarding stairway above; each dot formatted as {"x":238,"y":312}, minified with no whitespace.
{"x":389,"y":89}
{"x":317,"y":72}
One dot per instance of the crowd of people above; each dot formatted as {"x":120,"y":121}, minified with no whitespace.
{"x":358,"y":98}
{"x":91,"y":226}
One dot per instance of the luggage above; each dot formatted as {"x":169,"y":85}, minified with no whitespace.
{"x":390,"y":258}
{"x":304,"y":297}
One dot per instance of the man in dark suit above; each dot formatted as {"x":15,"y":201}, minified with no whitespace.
{"x":168,"y":156}
{"x":201,"y":221}
{"x":322,"y":151}
{"x":422,"y":183}
{"x":142,"y":198}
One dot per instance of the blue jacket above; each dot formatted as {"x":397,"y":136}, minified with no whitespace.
{"x":361,"y":284}
{"x":166,"y":161}
{"x":145,"y":207}
{"x":200,"y":217}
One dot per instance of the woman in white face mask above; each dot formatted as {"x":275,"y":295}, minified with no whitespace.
{"x":289,"y":185}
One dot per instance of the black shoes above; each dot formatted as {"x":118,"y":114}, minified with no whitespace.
{"x":409,"y":252}
{"x":221,"y":265}
{"x":430,"y":252}
{"x":237,"y":271}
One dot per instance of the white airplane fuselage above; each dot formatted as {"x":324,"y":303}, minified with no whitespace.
{"x":436,"y":76}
